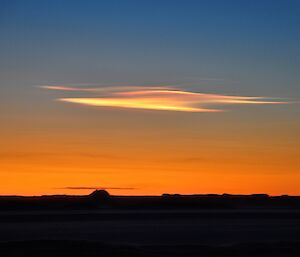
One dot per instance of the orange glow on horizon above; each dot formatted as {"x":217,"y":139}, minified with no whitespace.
{"x":57,"y":149}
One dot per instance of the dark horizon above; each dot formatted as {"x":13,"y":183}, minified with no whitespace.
{"x":154,"y":195}
{"x":99,"y":199}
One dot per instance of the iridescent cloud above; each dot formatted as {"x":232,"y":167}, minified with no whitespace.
{"x":158,"y":98}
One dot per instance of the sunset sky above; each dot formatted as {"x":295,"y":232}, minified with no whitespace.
{"x":150,"y":97}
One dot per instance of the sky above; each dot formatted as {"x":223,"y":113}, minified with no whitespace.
{"x":149,"y":97}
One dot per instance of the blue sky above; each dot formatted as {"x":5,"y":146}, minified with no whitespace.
{"x":239,"y":47}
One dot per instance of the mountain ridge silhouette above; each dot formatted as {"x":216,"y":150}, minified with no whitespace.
{"x":100,"y":199}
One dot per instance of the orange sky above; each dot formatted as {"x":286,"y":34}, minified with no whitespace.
{"x":50,"y":146}
{"x":149,"y":97}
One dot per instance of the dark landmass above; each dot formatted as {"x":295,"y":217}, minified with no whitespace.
{"x":100,"y":199}
{"x":98,"y":249}
{"x":150,"y":226}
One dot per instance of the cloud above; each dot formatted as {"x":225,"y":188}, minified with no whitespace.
{"x":97,"y":188}
{"x":158,"y":98}
{"x":102,"y":89}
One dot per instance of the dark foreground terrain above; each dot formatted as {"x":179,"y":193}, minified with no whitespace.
{"x":90,"y":248}
{"x":101,"y":225}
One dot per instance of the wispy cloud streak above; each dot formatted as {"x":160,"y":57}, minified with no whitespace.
{"x":158,"y":98}
{"x":97,"y":188}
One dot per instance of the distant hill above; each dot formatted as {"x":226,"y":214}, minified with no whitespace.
{"x":101,"y":199}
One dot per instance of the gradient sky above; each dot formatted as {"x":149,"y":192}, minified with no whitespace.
{"x":233,"y":48}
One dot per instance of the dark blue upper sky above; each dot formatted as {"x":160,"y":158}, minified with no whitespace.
{"x":231,"y":47}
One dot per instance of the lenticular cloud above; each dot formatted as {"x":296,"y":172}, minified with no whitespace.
{"x":157,"y":98}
